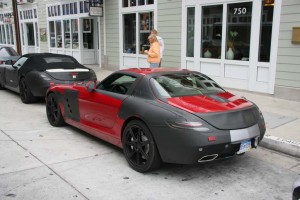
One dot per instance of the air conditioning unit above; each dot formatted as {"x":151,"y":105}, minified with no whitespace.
{"x":20,"y":2}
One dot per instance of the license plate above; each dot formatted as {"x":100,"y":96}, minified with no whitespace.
{"x":245,"y":146}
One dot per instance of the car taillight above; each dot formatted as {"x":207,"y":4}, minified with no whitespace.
{"x":198,"y":126}
{"x":45,"y":77}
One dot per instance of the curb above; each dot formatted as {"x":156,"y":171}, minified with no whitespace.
{"x":282,"y":145}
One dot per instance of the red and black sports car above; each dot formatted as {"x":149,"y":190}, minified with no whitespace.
{"x":160,"y":115}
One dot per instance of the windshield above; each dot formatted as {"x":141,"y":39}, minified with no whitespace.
{"x":184,"y":84}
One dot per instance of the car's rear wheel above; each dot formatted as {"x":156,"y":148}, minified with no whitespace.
{"x":53,"y":111}
{"x":25,"y":93}
{"x":139,"y":147}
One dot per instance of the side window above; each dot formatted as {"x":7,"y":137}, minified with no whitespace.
{"x":118,"y":83}
{"x":20,"y":62}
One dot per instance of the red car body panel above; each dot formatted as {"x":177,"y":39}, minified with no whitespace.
{"x":191,"y":103}
{"x":98,"y":113}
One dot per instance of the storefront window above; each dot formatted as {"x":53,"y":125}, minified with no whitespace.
{"x":146,"y":25}
{"x":131,"y":3}
{"x":266,"y":32}
{"x":190,"y":32}
{"x":238,"y":31}
{"x":74,"y":34}
{"x":36,"y":34}
{"x":1,"y":35}
{"x":88,"y":33}
{"x":67,"y":34}
{"x":58,"y":34}
{"x":8,"y":35}
{"x":130,"y":33}
{"x":49,"y":12}
{"x":211,"y":31}
{"x":52,"y":34}
{"x":22,"y":31}
{"x":30,"y":34}
{"x":75,"y":8}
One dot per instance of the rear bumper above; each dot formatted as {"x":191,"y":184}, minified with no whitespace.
{"x":190,"y":147}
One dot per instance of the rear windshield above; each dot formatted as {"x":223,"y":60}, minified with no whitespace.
{"x":58,"y":59}
{"x":184,"y":84}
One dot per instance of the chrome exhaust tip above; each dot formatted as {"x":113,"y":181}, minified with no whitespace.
{"x":208,"y":158}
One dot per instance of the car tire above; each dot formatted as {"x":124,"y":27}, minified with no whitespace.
{"x":139,"y":147}
{"x":53,"y":111}
{"x":25,"y":93}
{"x":1,"y":87}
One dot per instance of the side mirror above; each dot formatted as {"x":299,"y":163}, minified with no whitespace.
{"x":91,"y":86}
{"x":8,"y":62}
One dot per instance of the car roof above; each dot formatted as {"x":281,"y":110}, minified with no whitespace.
{"x":45,"y":55}
{"x":36,"y":61}
{"x":147,"y":71}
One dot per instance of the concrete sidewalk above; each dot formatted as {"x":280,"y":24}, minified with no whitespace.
{"x":282,"y":118}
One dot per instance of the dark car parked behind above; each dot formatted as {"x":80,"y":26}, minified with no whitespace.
{"x":8,"y":53}
{"x":33,"y":74}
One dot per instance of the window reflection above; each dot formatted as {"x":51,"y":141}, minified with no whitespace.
{"x":130,"y":33}
{"x":67,"y":37}
{"x":190,"y":32}
{"x":52,"y":34}
{"x":88,"y":33}
{"x":36,"y":34}
{"x":146,"y":25}
{"x":58,"y":34}
{"x":74,"y":28}
{"x":266,"y":32}
{"x":211,"y":31}
{"x":238,"y":31}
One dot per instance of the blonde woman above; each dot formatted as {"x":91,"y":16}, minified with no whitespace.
{"x":154,"y":52}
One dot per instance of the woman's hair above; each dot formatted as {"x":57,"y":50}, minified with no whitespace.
{"x":152,"y":38}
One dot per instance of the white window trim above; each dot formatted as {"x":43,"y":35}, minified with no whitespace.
{"x":34,"y":21}
{"x":136,"y":10}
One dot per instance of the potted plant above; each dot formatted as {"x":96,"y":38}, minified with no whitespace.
{"x":231,"y":38}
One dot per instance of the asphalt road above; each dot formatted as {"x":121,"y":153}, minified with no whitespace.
{"x":38,"y":161}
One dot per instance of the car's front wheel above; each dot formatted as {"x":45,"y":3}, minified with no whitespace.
{"x":139,"y":147}
{"x":25,"y":93}
{"x":53,"y":111}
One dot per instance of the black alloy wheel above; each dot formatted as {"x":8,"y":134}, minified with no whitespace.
{"x":25,"y":93}
{"x":53,"y":111}
{"x":139,"y":147}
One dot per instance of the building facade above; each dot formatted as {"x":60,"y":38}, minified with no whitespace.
{"x":243,"y":44}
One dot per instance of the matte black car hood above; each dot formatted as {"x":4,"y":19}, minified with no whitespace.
{"x":230,"y":120}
